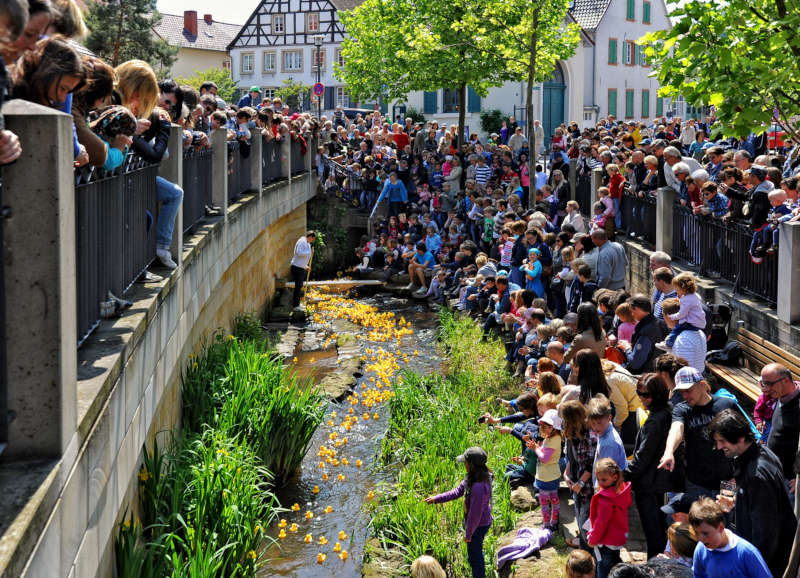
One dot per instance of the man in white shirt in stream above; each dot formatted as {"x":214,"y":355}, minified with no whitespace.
{"x":300,"y":262}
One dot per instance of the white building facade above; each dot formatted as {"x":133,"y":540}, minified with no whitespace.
{"x":608,"y":74}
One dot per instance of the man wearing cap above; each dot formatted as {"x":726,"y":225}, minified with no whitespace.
{"x":251,"y":98}
{"x":764,"y":515}
{"x":706,"y":466}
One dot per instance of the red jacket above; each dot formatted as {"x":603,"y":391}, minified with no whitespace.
{"x":615,"y":186}
{"x":608,"y":513}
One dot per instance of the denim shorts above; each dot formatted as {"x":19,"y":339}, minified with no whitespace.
{"x":546,"y":486}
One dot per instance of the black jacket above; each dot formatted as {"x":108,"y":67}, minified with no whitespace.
{"x":764,"y":514}
{"x":159,"y":130}
{"x":642,"y":470}
{"x":648,"y":332}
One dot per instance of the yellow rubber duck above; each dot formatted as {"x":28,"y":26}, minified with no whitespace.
{"x":370,"y":495}
{"x":343,"y":555}
{"x":323,"y":540}
{"x":282,"y":534}
{"x":295,"y":507}
{"x":293,"y":528}
{"x":282,"y":524}
{"x":315,"y":490}
{"x":325,"y":476}
{"x":337,"y":547}
{"x":342,"y":535}
{"x":308,"y":538}
{"x":359,"y":463}
{"x":328,"y":509}
{"x":321,"y":558}
{"x":309,"y":515}
{"x":340,"y":477}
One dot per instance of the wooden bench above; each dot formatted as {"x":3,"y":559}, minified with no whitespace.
{"x":757,"y":352}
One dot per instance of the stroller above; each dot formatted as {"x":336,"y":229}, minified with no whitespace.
{"x":718,"y":318}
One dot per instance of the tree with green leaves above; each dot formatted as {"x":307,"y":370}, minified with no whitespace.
{"x":123,"y":30}
{"x":292,"y":93}
{"x":395,"y":47}
{"x":742,"y":56}
{"x":226,"y":87}
{"x":528,"y":37}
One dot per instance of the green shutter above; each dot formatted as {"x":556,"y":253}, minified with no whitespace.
{"x":659,"y":106}
{"x":646,"y":13}
{"x":628,"y":104}
{"x":645,"y":103}
{"x":612,"y":50}
{"x":429,"y":106}
{"x":612,"y":101}
{"x":631,"y":10}
{"x":473,"y":100}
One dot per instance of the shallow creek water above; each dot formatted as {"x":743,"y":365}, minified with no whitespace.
{"x":292,"y":556}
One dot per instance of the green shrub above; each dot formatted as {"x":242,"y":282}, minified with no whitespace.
{"x":492,"y":120}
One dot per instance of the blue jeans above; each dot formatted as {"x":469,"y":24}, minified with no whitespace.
{"x":170,"y":196}
{"x":475,"y":552}
{"x":617,"y":213}
{"x":608,"y":559}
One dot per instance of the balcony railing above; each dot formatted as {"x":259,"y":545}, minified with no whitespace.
{"x":639,"y":216}
{"x":271,"y":166}
{"x":115,"y":220}
{"x":239,"y":177}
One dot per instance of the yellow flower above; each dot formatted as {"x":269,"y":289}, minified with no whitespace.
{"x":230,"y":337}
{"x":144,"y":476}
{"x":252,"y":554}
{"x":257,"y":529}
{"x":194,"y":365}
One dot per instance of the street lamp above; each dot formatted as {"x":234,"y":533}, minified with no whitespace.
{"x":318,"y":38}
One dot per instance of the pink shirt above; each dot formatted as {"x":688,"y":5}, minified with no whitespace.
{"x":625,"y":331}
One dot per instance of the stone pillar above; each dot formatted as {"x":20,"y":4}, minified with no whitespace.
{"x":597,"y":182}
{"x":40,"y":288}
{"x":171,"y":168}
{"x":573,"y":178}
{"x":219,"y":170}
{"x":255,"y":162}
{"x":789,"y":273}
{"x":665,"y":200}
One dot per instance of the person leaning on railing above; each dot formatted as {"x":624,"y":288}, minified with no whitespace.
{"x":94,"y":95}
{"x":14,"y":16}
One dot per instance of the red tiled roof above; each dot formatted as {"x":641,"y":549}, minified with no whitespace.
{"x":214,"y":36}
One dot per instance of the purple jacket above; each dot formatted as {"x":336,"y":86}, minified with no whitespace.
{"x":528,"y":541}
{"x":477,"y":505}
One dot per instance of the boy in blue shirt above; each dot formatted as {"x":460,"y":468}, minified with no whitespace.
{"x":719,"y":552}
{"x":609,"y":444}
{"x":421,"y":261}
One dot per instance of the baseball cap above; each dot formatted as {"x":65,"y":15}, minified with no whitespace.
{"x":255,"y":89}
{"x":678,"y":504}
{"x":550,"y":417}
{"x":646,"y":141}
{"x":686,"y":378}
{"x":759,"y":171}
{"x":474,"y":455}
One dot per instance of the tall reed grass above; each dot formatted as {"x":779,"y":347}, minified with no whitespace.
{"x":433,"y":419}
{"x":205,"y":501}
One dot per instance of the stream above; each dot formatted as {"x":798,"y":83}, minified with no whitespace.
{"x":308,"y":547}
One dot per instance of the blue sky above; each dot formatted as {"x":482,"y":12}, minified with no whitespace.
{"x":234,"y":12}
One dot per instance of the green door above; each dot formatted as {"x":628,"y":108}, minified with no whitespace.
{"x":553,"y":104}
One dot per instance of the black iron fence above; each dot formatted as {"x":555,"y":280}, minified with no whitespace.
{"x":197,"y":180}
{"x":720,"y":248}
{"x":115,"y":222}
{"x":298,"y":159}
{"x":638,"y":212}
{"x":271,"y":165}
{"x":239,"y":175}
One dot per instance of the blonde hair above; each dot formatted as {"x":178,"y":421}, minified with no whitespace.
{"x":573,"y":205}
{"x":611,"y":167}
{"x":685,"y":282}
{"x":135,"y":79}
{"x":625,"y":312}
{"x":426,"y":567}
{"x":481,"y":260}
{"x":568,"y":253}
{"x":651,"y":160}
{"x":603,"y":191}
{"x":548,"y":400}
{"x":682,"y":539}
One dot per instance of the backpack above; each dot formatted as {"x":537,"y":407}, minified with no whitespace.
{"x":724,"y":393}
{"x":728,"y":355}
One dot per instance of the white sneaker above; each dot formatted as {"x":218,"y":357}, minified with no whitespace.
{"x":166,"y":259}
{"x":421,"y":291}
{"x":410,"y":286}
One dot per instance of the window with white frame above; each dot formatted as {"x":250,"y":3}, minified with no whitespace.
{"x":292,"y":61}
{"x":248,"y":59}
{"x":278,"y":24}
{"x":270,"y":61}
{"x":340,"y":57}
{"x":317,"y":59}
{"x":312,"y":22}
{"x":342,"y":98}
{"x":630,"y":47}
{"x":268,"y":93}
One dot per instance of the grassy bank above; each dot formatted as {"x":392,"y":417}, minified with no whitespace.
{"x":205,"y":500}
{"x":433,"y":419}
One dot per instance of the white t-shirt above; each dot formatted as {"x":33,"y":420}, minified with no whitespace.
{"x":302,"y":253}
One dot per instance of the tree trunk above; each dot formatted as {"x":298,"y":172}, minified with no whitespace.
{"x":534,"y":150}
{"x":462,"y":113}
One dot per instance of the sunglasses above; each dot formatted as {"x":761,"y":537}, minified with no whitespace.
{"x":643,"y":393}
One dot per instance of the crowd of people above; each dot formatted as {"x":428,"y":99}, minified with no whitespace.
{"x":124,"y":110}
{"x":613,"y":402}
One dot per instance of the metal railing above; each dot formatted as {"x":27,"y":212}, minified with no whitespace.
{"x":720,"y":248}
{"x":583,"y":195}
{"x":197,"y":179}
{"x":639,"y":216}
{"x":115,"y":222}
{"x":271,"y":165}
{"x":239,"y":175}
{"x":298,"y":159}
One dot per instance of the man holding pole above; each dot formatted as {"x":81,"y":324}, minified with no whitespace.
{"x":301,"y":264}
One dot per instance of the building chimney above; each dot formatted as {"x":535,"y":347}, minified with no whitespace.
{"x":209,"y":20}
{"x":190,"y":22}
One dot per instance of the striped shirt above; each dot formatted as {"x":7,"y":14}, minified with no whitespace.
{"x":483,"y":174}
{"x":691,"y":345}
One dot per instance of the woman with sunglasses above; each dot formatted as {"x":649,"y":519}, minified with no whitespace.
{"x":650,"y":483}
